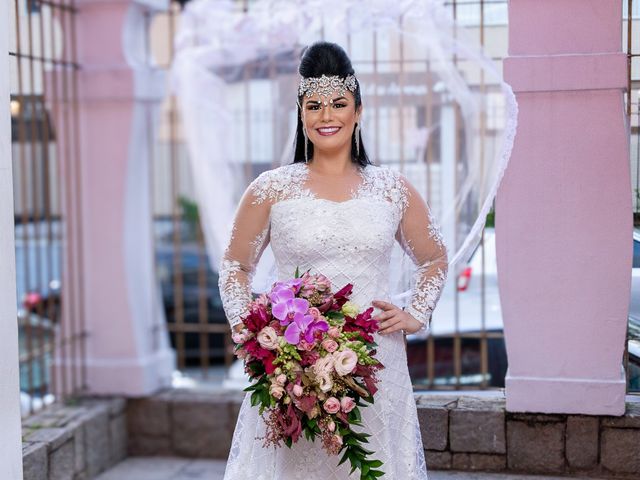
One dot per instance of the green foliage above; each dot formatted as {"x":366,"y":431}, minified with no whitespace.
{"x":189,"y":209}
{"x":356,"y":453}
{"x":491,"y":218}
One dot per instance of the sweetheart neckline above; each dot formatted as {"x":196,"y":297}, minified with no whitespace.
{"x":320,"y":199}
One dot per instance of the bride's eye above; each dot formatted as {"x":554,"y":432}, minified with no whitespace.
{"x":340,"y":105}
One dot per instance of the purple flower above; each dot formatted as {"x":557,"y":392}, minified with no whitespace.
{"x":282,"y":291}
{"x":289,"y":309}
{"x":304,"y":326}
{"x":280,"y":295}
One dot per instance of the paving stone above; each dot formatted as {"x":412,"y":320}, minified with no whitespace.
{"x":437,"y":460}
{"x":582,"y":441}
{"x":620,"y":450}
{"x":477,"y":425}
{"x":535,"y":448}
{"x":61,"y":462}
{"x":630,"y":419}
{"x":148,"y":416}
{"x":479,"y":461}
{"x":434,"y":427}
{"x":34,"y":461}
{"x":96,"y":437}
{"x":149,"y":445}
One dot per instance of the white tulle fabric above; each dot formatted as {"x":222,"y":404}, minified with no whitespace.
{"x":347,"y":236}
{"x":229,"y":60}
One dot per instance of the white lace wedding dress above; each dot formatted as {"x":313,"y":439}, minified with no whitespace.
{"x":346,"y":234}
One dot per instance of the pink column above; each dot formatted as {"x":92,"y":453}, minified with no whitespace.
{"x":125,"y":353}
{"x":563,"y":211}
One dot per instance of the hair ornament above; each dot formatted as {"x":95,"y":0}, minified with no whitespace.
{"x":326,"y":85}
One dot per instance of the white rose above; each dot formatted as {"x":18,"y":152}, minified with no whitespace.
{"x":268,"y":338}
{"x":345,"y":361}
{"x":324,"y":365}
{"x":324,"y":382}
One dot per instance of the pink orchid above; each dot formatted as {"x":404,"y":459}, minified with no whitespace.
{"x":304,"y":326}
{"x":288,"y":310}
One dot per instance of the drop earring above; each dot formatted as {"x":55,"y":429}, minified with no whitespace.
{"x":357,"y":133}
{"x":306,"y":145}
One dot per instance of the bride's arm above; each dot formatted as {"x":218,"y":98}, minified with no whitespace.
{"x":420,"y":236}
{"x":249,"y":237}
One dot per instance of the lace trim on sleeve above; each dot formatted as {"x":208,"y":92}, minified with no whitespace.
{"x":429,"y":254}
{"x":237,"y":268}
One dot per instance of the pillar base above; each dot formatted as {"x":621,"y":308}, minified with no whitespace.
{"x":589,"y":396}
{"x":131,"y":377}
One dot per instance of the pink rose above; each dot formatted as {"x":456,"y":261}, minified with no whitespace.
{"x":305,"y":346}
{"x":334,"y":332}
{"x":297,"y":390}
{"x":276,"y":390}
{"x":331,"y":426}
{"x":345,"y":361}
{"x":237,"y":337}
{"x":331,"y":405}
{"x":281,"y":379}
{"x":314,"y":312}
{"x":329,"y":345}
{"x":347,"y":404}
{"x":268,"y":338}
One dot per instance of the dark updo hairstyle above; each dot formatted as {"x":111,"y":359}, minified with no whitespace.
{"x":329,"y":59}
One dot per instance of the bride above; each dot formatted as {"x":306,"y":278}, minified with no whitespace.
{"x":336,"y":213}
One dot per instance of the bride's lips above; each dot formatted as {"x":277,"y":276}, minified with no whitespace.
{"x":326,"y":131}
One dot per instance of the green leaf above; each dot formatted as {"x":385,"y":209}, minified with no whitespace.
{"x":297,"y":274}
{"x":375,"y":463}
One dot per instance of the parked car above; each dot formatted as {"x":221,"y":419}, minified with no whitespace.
{"x":633,"y":344}
{"x":472,"y":285}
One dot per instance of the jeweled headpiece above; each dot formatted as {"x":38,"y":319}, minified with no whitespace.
{"x":326,"y":85}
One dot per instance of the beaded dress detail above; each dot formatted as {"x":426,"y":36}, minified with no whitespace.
{"x":349,"y":240}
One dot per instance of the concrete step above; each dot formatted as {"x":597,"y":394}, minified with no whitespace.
{"x":167,"y":468}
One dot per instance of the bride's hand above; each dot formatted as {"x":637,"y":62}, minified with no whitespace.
{"x":393,"y":319}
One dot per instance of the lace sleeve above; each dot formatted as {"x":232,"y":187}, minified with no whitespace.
{"x":420,"y":236}
{"x":249,"y":238}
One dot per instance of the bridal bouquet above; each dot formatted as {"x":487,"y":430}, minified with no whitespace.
{"x":311,"y":355}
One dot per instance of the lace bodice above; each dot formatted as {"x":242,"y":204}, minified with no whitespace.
{"x":346,"y":238}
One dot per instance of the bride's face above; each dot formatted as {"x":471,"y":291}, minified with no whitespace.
{"x":330,"y":126}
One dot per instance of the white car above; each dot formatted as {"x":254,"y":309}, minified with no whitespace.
{"x":468,"y":290}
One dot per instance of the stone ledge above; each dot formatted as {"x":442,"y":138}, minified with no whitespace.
{"x":74,"y":441}
{"x":461,"y":432}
